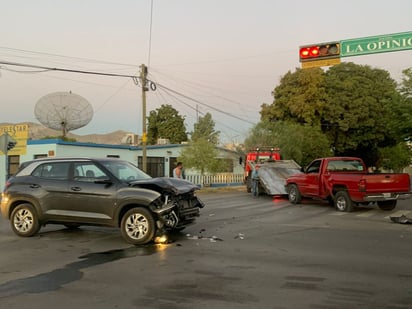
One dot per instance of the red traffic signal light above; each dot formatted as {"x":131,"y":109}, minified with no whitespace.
{"x":319,"y":51}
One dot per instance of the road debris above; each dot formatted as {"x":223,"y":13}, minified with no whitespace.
{"x":197,"y":237}
{"x":240,"y":236}
{"x":402,"y":219}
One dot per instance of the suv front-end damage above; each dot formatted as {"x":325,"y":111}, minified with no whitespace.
{"x":177,"y":206}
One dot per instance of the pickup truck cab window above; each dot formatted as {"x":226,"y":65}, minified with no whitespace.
{"x":345,"y":166}
{"x":314,"y":167}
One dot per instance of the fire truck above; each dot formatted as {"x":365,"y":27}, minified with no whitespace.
{"x":273,"y":171}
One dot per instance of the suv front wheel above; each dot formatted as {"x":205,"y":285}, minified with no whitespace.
{"x":24,"y":221}
{"x":138,"y":226}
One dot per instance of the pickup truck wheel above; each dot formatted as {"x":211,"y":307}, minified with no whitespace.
{"x":138,"y":226}
{"x":387,"y":205}
{"x":294,"y":194}
{"x":24,"y":221}
{"x":343,"y":201}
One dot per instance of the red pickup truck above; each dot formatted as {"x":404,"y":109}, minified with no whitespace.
{"x":345,"y":182}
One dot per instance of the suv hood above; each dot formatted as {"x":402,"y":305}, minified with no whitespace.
{"x":176,"y":185}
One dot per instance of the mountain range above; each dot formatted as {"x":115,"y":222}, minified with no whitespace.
{"x":38,"y":131}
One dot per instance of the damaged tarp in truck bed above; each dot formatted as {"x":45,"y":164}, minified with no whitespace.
{"x":273,"y":174}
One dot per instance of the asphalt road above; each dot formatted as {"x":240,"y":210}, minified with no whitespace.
{"x":243,"y":252}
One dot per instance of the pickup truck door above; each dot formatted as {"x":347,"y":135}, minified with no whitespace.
{"x":313,"y":178}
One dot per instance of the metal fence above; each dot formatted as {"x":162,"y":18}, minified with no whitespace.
{"x":217,"y":180}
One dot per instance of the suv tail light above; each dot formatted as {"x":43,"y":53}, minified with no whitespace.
{"x":7,"y":184}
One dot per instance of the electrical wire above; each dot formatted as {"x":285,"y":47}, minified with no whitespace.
{"x":65,"y":70}
{"x":150,"y":33}
{"x":177,"y":99}
{"x":133,"y":77}
{"x":21,"y":71}
{"x":208,"y":91}
{"x":68,"y":57}
{"x":204,"y":104}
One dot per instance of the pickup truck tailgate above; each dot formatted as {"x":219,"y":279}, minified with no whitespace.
{"x":380,"y":183}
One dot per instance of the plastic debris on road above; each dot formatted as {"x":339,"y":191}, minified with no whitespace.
{"x":240,"y":236}
{"x":402,"y":219}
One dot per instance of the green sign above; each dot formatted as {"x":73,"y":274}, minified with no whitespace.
{"x":376,"y":44}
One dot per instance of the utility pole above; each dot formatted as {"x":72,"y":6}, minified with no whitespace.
{"x":143,"y":80}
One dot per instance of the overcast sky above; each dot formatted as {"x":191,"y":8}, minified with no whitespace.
{"x":224,"y":56}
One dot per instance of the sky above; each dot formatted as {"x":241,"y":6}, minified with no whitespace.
{"x":223,"y":57}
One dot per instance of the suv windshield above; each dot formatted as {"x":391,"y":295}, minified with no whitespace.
{"x":125,"y":171}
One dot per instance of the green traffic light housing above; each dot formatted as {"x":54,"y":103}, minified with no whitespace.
{"x":7,"y":143}
{"x":319,"y":51}
{"x":11,"y":145}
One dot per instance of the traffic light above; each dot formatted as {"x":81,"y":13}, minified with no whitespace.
{"x":11,"y":144}
{"x":319,"y":51}
{"x":7,"y":143}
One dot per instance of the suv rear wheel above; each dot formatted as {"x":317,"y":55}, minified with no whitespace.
{"x":24,"y":221}
{"x":138,"y":226}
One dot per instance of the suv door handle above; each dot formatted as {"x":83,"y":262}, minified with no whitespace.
{"x":76,"y":189}
{"x":34,"y":185}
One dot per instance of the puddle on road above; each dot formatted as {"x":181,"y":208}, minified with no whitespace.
{"x":55,"y":279}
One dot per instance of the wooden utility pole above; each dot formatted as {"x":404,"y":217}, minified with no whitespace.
{"x":143,"y":76}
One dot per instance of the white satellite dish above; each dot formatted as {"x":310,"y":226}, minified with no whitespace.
{"x":63,"y":111}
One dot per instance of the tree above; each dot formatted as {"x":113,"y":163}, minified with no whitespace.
{"x":403,"y":111}
{"x":165,"y":122}
{"x":355,"y":106}
{"x":301,"y":143}
{"x":299,"y":98}
{"x":358,"y":113}
{"x":395,"y":158}
{"x":201,"y":155}
{"x":205,"y":128}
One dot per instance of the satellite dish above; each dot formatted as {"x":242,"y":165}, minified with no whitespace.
{"x":63,"y":111}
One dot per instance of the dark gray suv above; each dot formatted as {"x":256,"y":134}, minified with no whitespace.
{"x":91,"y":191}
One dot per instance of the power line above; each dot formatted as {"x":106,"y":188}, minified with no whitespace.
{"x":68,"y":57}
{"x":150,"y":33}
{"x":134,"y":77}
{"x":202,"y":103}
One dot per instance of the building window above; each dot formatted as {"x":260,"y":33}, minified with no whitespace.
{"x":39,"y":156}
{"x":155,"y":166}
{"x":13,"y":165}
